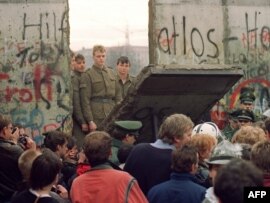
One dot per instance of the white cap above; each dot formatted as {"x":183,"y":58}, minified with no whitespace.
{"x":208,"y":128}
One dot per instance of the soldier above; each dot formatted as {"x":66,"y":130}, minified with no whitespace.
{"x":125,"y":132}
{"x":247,"y":98}
{"x":123,"y":76}
{"x":245,"y":117}
{"x":99,"y":90}
{"x":80,"y":126}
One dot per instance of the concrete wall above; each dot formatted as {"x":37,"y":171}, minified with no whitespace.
{"x":216,"y":32}
{"x":34,"y":64}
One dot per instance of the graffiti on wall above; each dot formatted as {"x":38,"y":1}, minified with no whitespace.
{"x":34,"y":69}
{"x":197,"y":38}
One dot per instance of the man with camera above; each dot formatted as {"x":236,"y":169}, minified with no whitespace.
{"x":10,"y":152}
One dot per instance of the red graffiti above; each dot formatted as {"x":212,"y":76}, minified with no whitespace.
{"x":25,"y":95}
{"x":4,"y":76}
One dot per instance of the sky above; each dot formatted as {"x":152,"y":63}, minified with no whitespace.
{"x":106,"y":22}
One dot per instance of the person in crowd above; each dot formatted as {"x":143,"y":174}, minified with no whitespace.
{"x":124,"y":132}
{"x":43,"y":175}
{"x":173,"y":133}
{"x":208,"y":128}
{"x":70,"y":161}
{"x":233,"y":178}
{"x":80,"y":126}
{"x":123,"y":66}
{"x":260,"y":157}
{"x":249,"y":135}
{"x":25,"y":163}
{"x":10,"y":152}
{"x":123,"y":154}
{"x":102,"y":177}
{"x":56,"y":141}
{"x":182,"y":186}
{"x":205,"y":144}
{"x":232,"y":125}
{"x":222,"y":154}
{"x":99,"y":90}
{"x":245,"y":118}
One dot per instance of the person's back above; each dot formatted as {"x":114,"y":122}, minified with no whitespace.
{"x":150,"y":164}
{"x":102,"y":183}
{"x":182,"y":186}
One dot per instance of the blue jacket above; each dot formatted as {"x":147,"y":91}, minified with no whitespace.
{"x":181,"y":188}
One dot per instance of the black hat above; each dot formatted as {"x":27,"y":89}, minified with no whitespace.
{"x":128,"y":126}
{"x":247,"y":95}
{"x":234,"y":114}
{"x":246,"y":115}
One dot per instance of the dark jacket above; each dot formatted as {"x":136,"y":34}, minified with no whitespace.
{"x":181,"y":188}
{"x":10,"y":175}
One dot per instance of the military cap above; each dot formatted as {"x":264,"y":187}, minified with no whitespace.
{"x":246,"y":115}
{"x":247,"y":95}
{"x":234,"y":114}
{"x":129,"y":126}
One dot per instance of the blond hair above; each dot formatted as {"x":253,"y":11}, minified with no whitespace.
{"x":249,"y":135}
{"x":174,"y":126}
{"x":99,"y":48}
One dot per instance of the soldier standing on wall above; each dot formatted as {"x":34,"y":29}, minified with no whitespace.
{"x":123,"y":76}
{"x":99,"y":90}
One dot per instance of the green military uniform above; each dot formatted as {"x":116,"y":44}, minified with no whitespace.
{"x":126,"y":85}
{"x":124,"y":128}
{"x":228,"y":132}
{"x":77,"y":116}
{"x":99,"y":91}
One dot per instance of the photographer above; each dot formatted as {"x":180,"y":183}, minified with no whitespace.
{"x":21,"y":138}
{"x":10,"y":152}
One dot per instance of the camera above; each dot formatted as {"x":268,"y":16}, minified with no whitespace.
{"x":23,"y":139}
{"x":54,"y":189}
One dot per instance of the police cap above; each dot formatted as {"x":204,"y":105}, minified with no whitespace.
{"x":129,"y":126}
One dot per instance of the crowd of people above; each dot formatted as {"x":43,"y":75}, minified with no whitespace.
{"x":186,"y":163}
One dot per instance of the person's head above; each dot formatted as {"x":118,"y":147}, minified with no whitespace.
{"x":176,"y":129}
{"x":260,"y":155}
{"x":57,"y":142}
{"x":45,"y":170}
{"x":79,"y":63}
{"x":245,"y":118}
{"x":6,"y":128}
{"x":72,"y":148}
{"x":25,"y":162}
{"x":233,"y":177}
{"x":204,"y":143}
{"x":97,"y":147}
{"x":126,"y":131}
{"x":222,"y":154}
{"x":124,"y":152}
{"x":208,"y":128}
{"x":99,"y":55}
{"x":185,"y":159}
{"x":123,"y":65}
{"x":249,"y":135}
{"x":247,"y":98}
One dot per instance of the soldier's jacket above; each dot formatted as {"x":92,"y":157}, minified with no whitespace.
{"x":77,"y":110}
{"x":99,"y":92}
{"x":126,"y":85}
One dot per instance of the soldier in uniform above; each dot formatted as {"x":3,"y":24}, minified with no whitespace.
{"x":245,"y":117}
{"x":80,"y":126}
{"x":247,"y":98}
{"x":123,"y":76}
{"x":125,"y":132}
{"x":99,"y":90}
